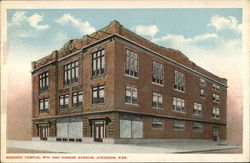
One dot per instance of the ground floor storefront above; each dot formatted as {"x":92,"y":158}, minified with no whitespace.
{"x":116,"y":127}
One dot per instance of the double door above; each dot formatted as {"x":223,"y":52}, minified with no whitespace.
{"x":44,"y":132}
{"x":215,"y":134}
{"x":99,"y":132}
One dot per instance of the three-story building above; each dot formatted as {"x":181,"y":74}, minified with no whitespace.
{"x":115,"y":86}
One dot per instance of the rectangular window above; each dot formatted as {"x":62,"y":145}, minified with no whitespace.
{"x":44,"y":105}
{"x":71,"y":73}
{"x":202,"y":93}
{"x":44,"y":82}
{"x":179,"y":81}
{"x":197,"y":109}
{"x":98,"y":95}
{"x":216,"y":98}
{"x":131,"y":126}
{"x":197,"y":126}
{"x":131,"y":95}
{"x":77,"y":99}
{"x":157,"y":123}
{"x":131,"y":67}
{"x":216,"y":87}
{"x":158,"y":73}
{"x":216,"y":113}
{"x":178,"y":104}
{"x":98,"y":63}
{"x":202,"y":82}
{"x":157,"y":100}
{"x":64,"y":101}
{"x":179,"y":124}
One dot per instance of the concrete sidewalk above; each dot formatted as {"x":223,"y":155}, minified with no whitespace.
{"x":184,"y":146}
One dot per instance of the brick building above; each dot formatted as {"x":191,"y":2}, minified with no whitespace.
{"x":114,"y":86}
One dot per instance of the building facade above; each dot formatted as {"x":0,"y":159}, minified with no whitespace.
{"x":114,"y":86}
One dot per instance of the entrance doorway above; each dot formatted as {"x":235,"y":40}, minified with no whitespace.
{"x":215,"y":134}
{"x":43,"y":133}
{"x":99,"y":132}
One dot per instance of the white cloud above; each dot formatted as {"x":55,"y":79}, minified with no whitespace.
{"x":18,"y":18}
{"x":34,"y":21}
{"x":61,"y":36}
{"x":150,"y":30}
{"x":83,"y":26}
{"x":222,"y":23}
{"x":181,"y":39}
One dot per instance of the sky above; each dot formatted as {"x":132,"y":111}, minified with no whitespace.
{"x":212,"y":38}
{"x":195,"y":32}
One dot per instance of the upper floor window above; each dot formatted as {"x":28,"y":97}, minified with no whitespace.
{"x":197,"y":109}
{"x":98,"y":63}
{"x":44,"y":105}
{"x":197,"y":126}
{"x":158,"y":73}
{"x":71,"y":73}
{"x":77,"y":99}
{"x":44,"y":81}
{"x":157,"y":123}
{"x":157,"y":100}
{"x":202,"y":93}
{"x":178,"y":104}
{"x":216,"y":113}
{"x":202,"y":82}
{"x":179,"y":124}
{"x":64,"y":101}
{"x":131,"y":67}
{"x":131,"y":96}
{"x":216,"y":87}
{"x":98,"y":95}
{"x":216,"y":98}
{"x":179,"y":81}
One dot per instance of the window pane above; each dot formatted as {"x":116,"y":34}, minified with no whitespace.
{"x":41,"y":104}
{"x":95,"y":94}
{"x":103,"y":62}
{"x":160,"y":98}
{"x":61,"y":100}
{"x":80,"y":97}
{"x":125,"y":129}
{"x":134,"y":92}
{"x":101,"y":93}
{"x":46,"y":104}
{"x":74,"y":99}
{"x":66,"y":100}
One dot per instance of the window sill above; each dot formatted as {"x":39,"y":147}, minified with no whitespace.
{"x":132,"y":104}
{"x":157,"y":128}
{"x":43,"y":111}
{"x":99,"y":104}
{"x":98,"y":76}
{"x":215,"y":118}
{"x":202,"y":97}
{"x":131,"y":76}
{"x":43,"y":91}
{"x":70,"y":85}
{"x":179,"y":90}
{"x":175,"y":129}
{"x":216,"y":102}
{"x":157,"y":108}
{"x":179,"y":112}
{"x":161,"y":85}
{"x":198,"y":115}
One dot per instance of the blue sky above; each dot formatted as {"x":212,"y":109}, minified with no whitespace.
{"x":212,"y":38}
{"x":186,"y":22}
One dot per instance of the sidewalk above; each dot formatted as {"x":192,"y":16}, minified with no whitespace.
{"x":169,"y":147}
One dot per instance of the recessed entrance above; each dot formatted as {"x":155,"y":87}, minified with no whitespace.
{"x":99,"y":132}
{"x":215,"y":134}
{"x":43,"y":133}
